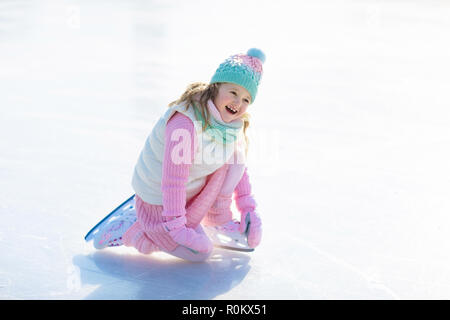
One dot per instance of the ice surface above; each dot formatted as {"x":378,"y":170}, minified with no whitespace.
{"x":349,"y":155}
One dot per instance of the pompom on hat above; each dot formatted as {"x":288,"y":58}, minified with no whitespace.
{"x":242,"y":69}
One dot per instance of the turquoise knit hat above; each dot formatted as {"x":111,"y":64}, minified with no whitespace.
{"x":242,"y":69}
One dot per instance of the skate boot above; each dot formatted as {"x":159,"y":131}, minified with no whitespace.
{"x":108,"y":232}
{"x":110,"y":235}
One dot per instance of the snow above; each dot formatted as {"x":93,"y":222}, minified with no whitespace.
{"x":348,"y":159}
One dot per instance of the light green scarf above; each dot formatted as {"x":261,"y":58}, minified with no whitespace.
{"x":220,"y":131}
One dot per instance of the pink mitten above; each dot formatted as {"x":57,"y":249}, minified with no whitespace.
{"x":251,"y":223}
{"x":187,"y":237}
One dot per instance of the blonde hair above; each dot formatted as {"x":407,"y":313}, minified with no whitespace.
{"x":199,"y":93}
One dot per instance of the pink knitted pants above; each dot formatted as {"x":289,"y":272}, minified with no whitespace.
{"x":148,"y":235}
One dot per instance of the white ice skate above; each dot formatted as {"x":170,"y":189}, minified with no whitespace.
{"x":228,"y":236}
{"x":108,"y":232}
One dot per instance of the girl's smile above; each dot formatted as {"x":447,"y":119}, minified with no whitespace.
{"x":231,"y":101}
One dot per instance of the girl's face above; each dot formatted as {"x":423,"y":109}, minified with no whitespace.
{"x":232,"y":101}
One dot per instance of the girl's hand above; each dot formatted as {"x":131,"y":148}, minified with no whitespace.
{"x":251,"y":224}
{"x":187,"y":237}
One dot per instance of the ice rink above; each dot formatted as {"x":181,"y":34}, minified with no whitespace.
{"x":349,"y":153}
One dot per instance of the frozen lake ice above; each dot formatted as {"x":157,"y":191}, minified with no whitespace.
{"x":349,"y":155}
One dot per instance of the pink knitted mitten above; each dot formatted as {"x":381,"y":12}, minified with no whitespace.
{"x":187,"y":237}
{"x":250,"y":220}
{"x":254,"y":229}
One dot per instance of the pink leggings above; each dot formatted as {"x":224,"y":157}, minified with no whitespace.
{"x":146,"y":238}
{"x":147,"y":234}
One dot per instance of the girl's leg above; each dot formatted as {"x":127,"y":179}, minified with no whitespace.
{"x":136,"y":237}
{"x":234,"y":175}
{"x":198,"y":207}
{"x":220,"y":212}
{"x":145,"y":236}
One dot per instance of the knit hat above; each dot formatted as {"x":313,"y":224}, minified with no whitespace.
{"x":242,"y":69}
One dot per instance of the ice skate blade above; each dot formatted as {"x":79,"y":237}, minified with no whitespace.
{"x":234,"y":248}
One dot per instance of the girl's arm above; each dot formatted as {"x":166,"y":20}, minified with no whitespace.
{"x":171,"y":230}
{"x":176,"y":164}
{"x":246,"y":205}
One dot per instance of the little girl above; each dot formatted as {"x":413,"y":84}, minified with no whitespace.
{"x":193,"y":162}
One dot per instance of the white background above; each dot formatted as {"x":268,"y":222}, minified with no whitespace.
{"x":349,"y":155}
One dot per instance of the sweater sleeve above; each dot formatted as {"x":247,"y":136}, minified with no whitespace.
{"x":243,"y":194}
{"x":178,"y":158}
